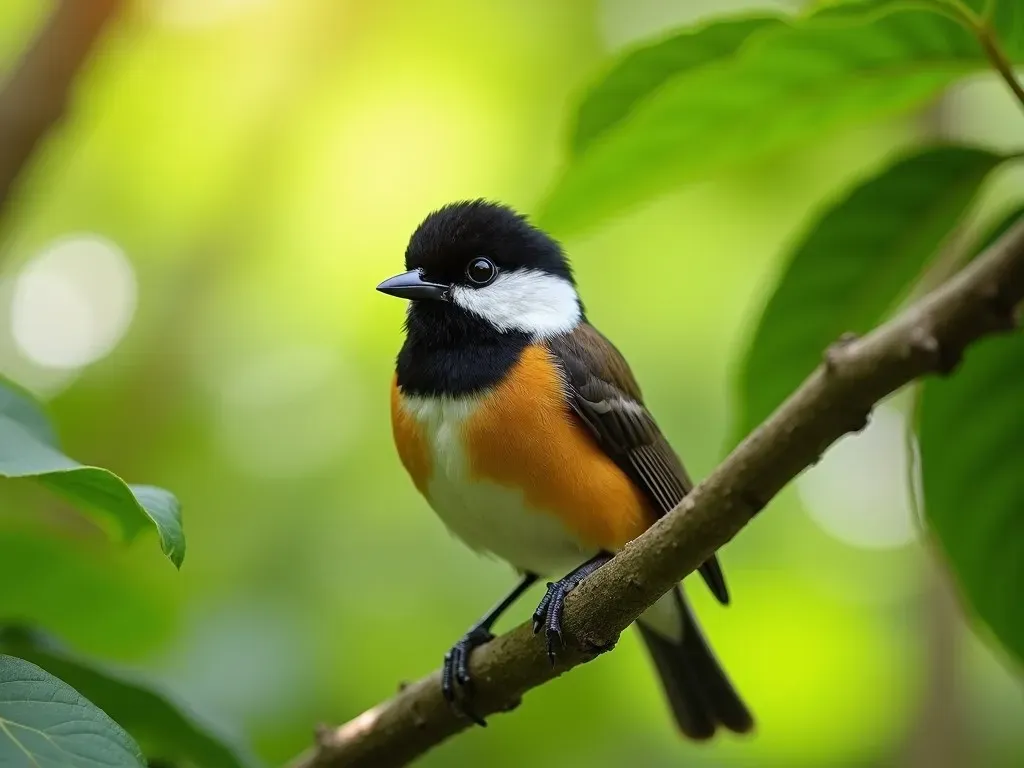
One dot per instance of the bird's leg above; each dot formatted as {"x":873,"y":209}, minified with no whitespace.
{"x":455,"y":670}
{"x":548,"y":615}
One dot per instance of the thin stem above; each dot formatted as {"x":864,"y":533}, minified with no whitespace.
{"x":980,"y":25}
{"x":963,"y":13}
{"x":997,"y":56}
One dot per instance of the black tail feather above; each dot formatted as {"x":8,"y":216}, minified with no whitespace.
{"x":711,"y":571}
{"x":701,"y":696}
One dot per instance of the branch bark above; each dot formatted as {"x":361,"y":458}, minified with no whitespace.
{"x":856,"y":373}
{"x":35,"y":96}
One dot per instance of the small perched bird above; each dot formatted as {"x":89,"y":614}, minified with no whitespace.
{"x":526,"y":432}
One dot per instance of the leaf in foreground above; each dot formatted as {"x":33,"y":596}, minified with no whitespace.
{"x":972,"y":465}
{"x":852,"y":266}
{"x":788,"y":86}
{"x":28,"y":449}
{"x":163,"y":728}
{"x":45,"y":723}
{"x":17,"y":404}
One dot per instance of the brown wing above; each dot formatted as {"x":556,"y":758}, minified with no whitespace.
{"x":606,"y":397}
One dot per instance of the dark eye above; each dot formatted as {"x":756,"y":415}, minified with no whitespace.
{"x":481,"y":271}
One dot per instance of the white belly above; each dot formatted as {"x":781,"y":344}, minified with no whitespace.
{"x":488,"y":517}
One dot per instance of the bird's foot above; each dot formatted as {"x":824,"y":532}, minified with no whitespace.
{"x":455,"y":675}
{"x":548,"y":615}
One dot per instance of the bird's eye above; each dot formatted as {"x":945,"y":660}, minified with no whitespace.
{"x":481,"y":271}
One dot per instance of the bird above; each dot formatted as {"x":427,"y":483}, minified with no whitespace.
{"x":527,"y":433}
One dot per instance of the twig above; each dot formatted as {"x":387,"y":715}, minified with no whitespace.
{"x":981,"y":26}
{"x":928,"y":337}
{"x":997,"y":57}
{"x":36,"y":94}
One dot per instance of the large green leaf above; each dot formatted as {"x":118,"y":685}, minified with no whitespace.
{"x":162,"y":727}
{"x":45,"y":723}
{"x":28,"y":448}
{"x":643,"y":70}
{"x":972,"y":463}
{"x":1005,"y":18}
{"x":853,"y":264}
{"x":786,"y":86}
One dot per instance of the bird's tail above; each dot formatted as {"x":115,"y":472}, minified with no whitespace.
{"x":700,"y":694}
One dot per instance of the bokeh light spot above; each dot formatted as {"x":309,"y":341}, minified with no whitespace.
{"x":859,"y":492}
{"x":73,"y":302}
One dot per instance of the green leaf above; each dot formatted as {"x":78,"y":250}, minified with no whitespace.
{"x":853,"y":264}
{"x":970,"y":428}
{"x":643,"y":70}
{"x":1004,"y":17}
{"x":45,"y":723}
{"x":161,"y":726}
{"x":28,"y":448}
{"x":788,"y":85}
{"x":854,"y":10}
{"x":17,"y":404}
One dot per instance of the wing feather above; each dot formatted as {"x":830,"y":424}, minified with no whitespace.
{"x":607,"y":399}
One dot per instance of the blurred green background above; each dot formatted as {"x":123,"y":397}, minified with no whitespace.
{"x":187,"y":278}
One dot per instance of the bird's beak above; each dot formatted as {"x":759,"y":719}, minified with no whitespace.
{"x":411,"y":285}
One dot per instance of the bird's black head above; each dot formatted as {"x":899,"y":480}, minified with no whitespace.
{"x":445,"y":245}
{"x":481,"y":261}
{"x":483,"y":283}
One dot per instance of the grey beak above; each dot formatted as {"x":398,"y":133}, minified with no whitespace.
{"x":411,"y":285}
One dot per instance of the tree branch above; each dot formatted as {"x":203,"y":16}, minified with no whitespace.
{"x":837,"y":398}
{"x":35,"y":95}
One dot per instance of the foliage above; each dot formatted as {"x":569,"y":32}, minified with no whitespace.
{"x":46,"y":723}
{"x":28,"y":448}
{"x":969,"y":426}
{"x":42,"y":718}
{"x":156,"y":722}
{"x":783,"y":86}
{"x":640,"y":73}
{"x":853,"y":265}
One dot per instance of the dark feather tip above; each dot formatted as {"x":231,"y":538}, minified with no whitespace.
{"x":711,"y":571}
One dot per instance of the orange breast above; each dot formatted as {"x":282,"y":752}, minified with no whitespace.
{"x":524,"y":435}
{"x":412,"y":447}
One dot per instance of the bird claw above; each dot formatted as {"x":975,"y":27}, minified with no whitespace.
{"x":548,"y":615}
{"x":540,"y":615}
{"x":455,"y":674}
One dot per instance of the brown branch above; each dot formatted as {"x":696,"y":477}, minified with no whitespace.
{"x":35,"y":95}
{"x":928,"y":337}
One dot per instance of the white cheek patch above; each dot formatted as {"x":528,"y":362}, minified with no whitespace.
{"x":527,"y":300}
